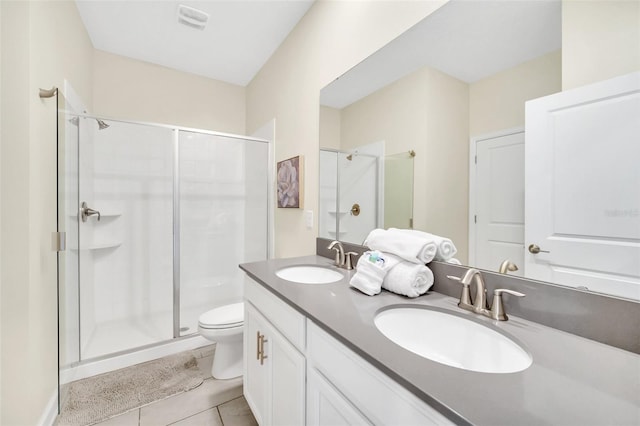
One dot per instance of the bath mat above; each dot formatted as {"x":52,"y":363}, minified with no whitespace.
{"x":98,"y":398}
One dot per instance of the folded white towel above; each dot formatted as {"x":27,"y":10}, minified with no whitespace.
{"x":409,"y":279}
{"x":371,"y":269}
{"x":411,"y":247}
{"x":446,"y":248}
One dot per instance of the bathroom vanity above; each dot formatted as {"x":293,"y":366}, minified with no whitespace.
{"x":314,"y":356}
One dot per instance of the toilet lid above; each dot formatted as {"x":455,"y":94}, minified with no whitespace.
{"x":223,"y":316}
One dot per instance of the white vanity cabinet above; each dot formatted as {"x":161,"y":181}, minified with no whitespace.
{"x":297,"y":374}
{"x":274,"y":367}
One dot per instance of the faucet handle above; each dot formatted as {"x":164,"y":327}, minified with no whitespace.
{"x":348,"y":259}
{"x":465,"y":296}
{"x":497,"y":308}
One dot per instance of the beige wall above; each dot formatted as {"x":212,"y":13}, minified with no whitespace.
{"x":447,"y":183}
{"x":600,"y":40}
{"x":43,"y":42}
{"x":330,"y":127}
{"x":497,"y":102}
{"x":135,"y":90}
{"x":331,"y":38}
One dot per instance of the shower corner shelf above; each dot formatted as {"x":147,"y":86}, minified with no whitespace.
{"x":99,"y":245}
{"x":335,"y":212}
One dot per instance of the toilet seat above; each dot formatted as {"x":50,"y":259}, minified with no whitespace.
{"x":228,"y":316}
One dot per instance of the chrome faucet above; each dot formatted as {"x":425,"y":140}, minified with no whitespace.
{"x":343,"y":260}
{"x":479,"y":306}
{"x":337,"y":246}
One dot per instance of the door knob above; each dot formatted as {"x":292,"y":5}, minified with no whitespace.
{"x":535,"y":249}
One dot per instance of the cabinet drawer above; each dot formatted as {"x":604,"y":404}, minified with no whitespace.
{"x":286,"y":319}
{"x":379,"y":398}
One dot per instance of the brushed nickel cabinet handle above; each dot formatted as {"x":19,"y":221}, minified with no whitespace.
{"x":258,"y":346}
{"x":262,"y":355}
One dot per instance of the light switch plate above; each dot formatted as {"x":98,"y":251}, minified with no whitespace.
{"x":308,"y":218}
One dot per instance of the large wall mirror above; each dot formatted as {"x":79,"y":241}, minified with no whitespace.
{"x":429,"y":133}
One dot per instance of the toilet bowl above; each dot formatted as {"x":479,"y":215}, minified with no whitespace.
{"x":224,"y":325}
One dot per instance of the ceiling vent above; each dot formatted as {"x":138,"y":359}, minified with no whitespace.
{"x":191,"y":17}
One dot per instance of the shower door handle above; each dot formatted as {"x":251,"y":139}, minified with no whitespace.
{"x":85,"y":212}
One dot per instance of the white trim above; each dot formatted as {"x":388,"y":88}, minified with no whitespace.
{"x":92,"y":368}
{"x":50,"y":412}
{"x":267,"y":132}
{"x":472,"y":182}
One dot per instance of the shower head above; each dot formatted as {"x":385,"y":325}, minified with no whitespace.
{"x":74,"y":121}
{"x":101,"y":124}
{"x":350,"y":157}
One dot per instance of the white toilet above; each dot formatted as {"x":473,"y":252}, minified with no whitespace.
{"x":224,"y":325}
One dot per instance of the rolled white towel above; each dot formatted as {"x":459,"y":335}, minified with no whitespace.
{"x":445,"y":247}
{"x":410,"y":247}
{"x":409,"y":279}
{"x":371,"y":269}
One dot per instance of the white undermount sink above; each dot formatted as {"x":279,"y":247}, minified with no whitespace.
{"x":452,"y":340}
{"x":309,"y":274}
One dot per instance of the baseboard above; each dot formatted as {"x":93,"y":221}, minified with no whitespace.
{"x":50,"y":412}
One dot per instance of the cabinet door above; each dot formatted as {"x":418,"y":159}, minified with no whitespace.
{"x":326,"y":406}
{"x":274,"y":381}
{"x":255,"y":375}
{"x":287,"y":381}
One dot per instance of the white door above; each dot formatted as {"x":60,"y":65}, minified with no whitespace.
{"x":583,"y":187}
{"x":287,"y":381}
{"x":499,"y":195}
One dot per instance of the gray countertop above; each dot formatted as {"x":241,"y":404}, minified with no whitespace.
{"x":572,"y":380}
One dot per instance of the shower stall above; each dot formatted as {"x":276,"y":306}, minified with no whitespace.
{"x":157,"y":219}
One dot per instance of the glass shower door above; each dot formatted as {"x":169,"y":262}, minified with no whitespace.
{"x":67,"y":228}
{"x":125,"y":235}
{"x":223,"y":220}
{"x":398,"y":190}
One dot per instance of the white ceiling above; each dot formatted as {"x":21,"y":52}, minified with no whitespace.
{"x":467,"y":39}
{"x":239,"y":38}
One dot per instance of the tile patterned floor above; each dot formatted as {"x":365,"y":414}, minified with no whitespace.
{"x":214,"y":403}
